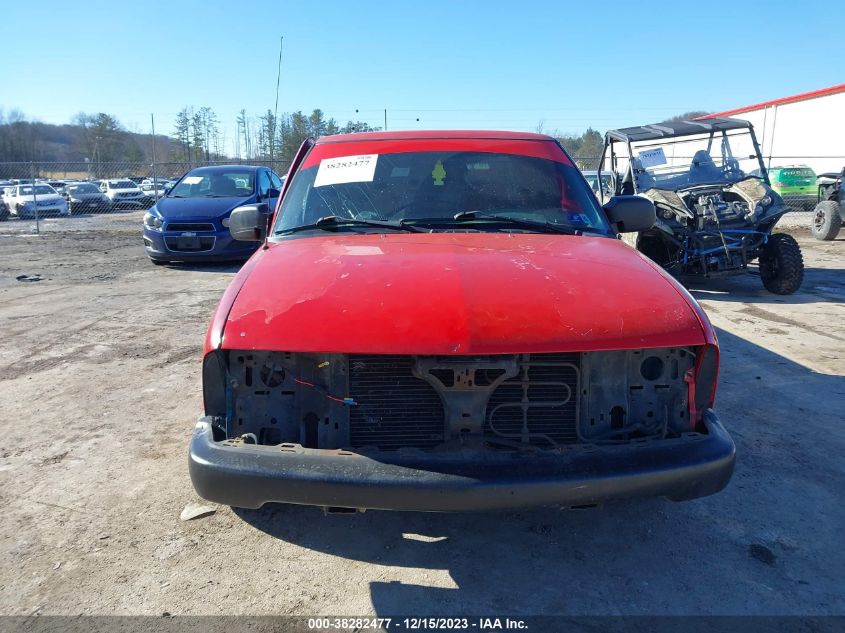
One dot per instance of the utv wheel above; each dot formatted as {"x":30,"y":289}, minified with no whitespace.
{"x":781,"y":264}
{"x":827,"y":220}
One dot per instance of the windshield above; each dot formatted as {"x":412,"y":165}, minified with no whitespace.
{"x":432,"y":187}
{"x":83,"y":189}
{"x":40,"y":190}
{"x":593,"y":180}
{"x":718,"y":157}
{"x":123,"y":184}
{"x":235,"y":184}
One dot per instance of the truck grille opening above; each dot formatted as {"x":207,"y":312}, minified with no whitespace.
{"x":395,"y":408}
{"x":539,"y":405}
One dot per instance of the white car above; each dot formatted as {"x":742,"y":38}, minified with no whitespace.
{"x":150,"y":190}
{"x":23,"y":201}
{"x":124,"y":193}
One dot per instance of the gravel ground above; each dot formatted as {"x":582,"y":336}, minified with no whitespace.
{"x":100,"y":388}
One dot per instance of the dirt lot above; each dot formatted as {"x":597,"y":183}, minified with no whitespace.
{"x":100,"y":388}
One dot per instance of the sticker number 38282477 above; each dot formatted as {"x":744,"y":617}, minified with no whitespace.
{"x":336,"y":171}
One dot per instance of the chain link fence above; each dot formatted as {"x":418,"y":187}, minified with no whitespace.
{"x":72,"y":196}
{"x":85,"y":196}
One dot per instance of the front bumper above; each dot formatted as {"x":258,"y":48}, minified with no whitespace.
{"x":249,"y":476}
{"x":29,"y":212}
{"x":223,"y":247}
{"x":89,"y":204}
{"x":133,"y":203}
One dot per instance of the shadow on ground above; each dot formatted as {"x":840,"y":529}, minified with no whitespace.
{"x":205,"y":267}
{"x":820,"y":285}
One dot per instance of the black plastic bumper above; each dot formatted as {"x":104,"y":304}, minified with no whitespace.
{"x":249,"y":476}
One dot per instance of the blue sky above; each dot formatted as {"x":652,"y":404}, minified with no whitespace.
{"x":476,"y":64}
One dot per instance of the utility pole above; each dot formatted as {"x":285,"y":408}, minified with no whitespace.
{"x":155,"y":178}
{"x":97,"y":154}
{"x":385,"y":119}
{"x":34,"y":197}
{"x":276,"y":110}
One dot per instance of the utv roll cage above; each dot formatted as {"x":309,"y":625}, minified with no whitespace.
{"x":717,"y":128}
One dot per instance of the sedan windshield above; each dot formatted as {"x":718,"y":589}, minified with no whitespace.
{"x":234,"y":184}
{"x":442,"y":190}
{"x":40,"y":190}
{"x":83,"y":189}
{"x":123,"y":184}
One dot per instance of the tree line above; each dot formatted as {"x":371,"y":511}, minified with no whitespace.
{"x":96,"y":137}
{"x":262,"y":137}
{"x":198,"y":135}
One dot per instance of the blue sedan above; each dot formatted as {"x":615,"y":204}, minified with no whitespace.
{"x":190,"y":223}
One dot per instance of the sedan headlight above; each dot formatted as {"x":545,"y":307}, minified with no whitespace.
{"x":152,"y":221}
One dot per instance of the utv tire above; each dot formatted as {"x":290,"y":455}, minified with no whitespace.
{"x":827,"y":220}
{"x":781,"y":264}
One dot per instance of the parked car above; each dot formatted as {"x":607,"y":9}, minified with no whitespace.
{"x":796,"y":184}
{"x":86,"y":196}
{"x":445,"y":321}
{"x":592,"y":178}
{"x":829,"y":212}
{"x":124,"y":193}
{"x":190,"y":222}
{"x":713,"y":217}
{"x":4,"y":209}
{"x":58,"y":185}
{"x":23,"y":200}
{"x":150,"y":190}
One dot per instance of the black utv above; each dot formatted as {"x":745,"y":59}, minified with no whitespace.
{"x":713,"y":216}
{"x":830,"y":210}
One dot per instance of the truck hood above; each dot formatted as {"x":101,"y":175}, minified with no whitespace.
{"x":458,"y":293}
{"x":197,"y":208}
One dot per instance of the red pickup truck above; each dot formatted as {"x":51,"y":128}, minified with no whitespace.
{"x":446,"y":321}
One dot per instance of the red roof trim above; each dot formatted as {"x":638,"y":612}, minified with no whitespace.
{"x":813,"y":94}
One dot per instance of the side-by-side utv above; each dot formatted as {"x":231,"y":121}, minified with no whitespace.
{"x":713,"y":216}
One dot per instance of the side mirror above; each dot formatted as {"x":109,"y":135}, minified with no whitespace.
{"x":273,"y":193}
{"x":629,"y":214}
{"x":249,"y":222}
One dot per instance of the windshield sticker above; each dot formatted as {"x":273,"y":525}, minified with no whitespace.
{"x":652,"y":157}
{"x":438,"y":173}
{"x":479,"y":166}
{"x":192,"y":180}
{"x":344,"y":169}
{"x":400,"y":172}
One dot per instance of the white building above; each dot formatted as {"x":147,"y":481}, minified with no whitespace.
{"x":804,"y":129}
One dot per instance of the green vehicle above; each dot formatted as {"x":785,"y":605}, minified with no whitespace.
{"x":796,"y":185}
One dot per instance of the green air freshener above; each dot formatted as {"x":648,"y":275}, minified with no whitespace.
{"x":438,"y":173}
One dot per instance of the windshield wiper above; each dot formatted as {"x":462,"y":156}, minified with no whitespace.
{"x":334,"y":222}
{"x":546,"y":227}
